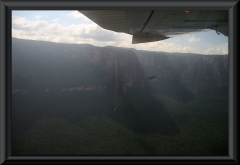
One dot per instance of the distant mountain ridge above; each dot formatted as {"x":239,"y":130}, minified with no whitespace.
{"x":95,"y":68}
{"x":176,"y":71}
{"x":81,"y":65}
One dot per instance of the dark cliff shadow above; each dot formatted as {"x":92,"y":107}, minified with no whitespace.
{"x":170,"y":88}
{"x":142,"y":113}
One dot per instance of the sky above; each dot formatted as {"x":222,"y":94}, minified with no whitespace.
{"x":73,"y":27}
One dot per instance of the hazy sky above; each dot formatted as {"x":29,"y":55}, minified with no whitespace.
{"x":73,"y":27}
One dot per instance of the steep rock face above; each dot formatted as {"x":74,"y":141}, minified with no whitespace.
{"x":190,"y":68}
{"x":120,"y":65}
{"x":172,"y":72}
{"x":166,"y":81}
{"x":116,"y":70}
{"x":156,"y":64}
{"x":41,"y":66}
{"x":207,"y":69}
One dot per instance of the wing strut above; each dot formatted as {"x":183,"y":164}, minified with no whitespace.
{"x":147,"y":20}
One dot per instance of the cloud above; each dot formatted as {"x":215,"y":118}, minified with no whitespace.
{"x":39,"y":16}
{"x":14,"y":17}
{"x":55,"y":32}
{"x":95,"y":35}
{"x":80,"y":16}
{"x":217,"y":49}
{"x":75,"y":14}
{"x":193,"y":39}
{"x":166,"y":47}
{"x":21,"y":23}
{"x":55,"y":20}
{"x":94,"y":32}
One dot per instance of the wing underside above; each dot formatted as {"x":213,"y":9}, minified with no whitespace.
{"x":154,"y":25}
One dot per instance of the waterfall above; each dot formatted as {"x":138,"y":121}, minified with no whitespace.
{"x":116,"y":78}
{"x":116,"y":75}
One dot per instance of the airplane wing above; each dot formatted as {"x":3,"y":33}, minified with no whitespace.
{"x":154,"y":25}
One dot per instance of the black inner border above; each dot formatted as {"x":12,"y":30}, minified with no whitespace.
{"x":6,"y":6}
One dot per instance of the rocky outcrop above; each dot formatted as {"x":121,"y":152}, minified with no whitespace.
{"x":120,"y":65}
{"x":173,"y":72}
{"x":186,"y":68}
{"x":71,"y":66}
{"x":156,"y":64}
{"x":211,"y":70}
{"x":67,"y":66}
